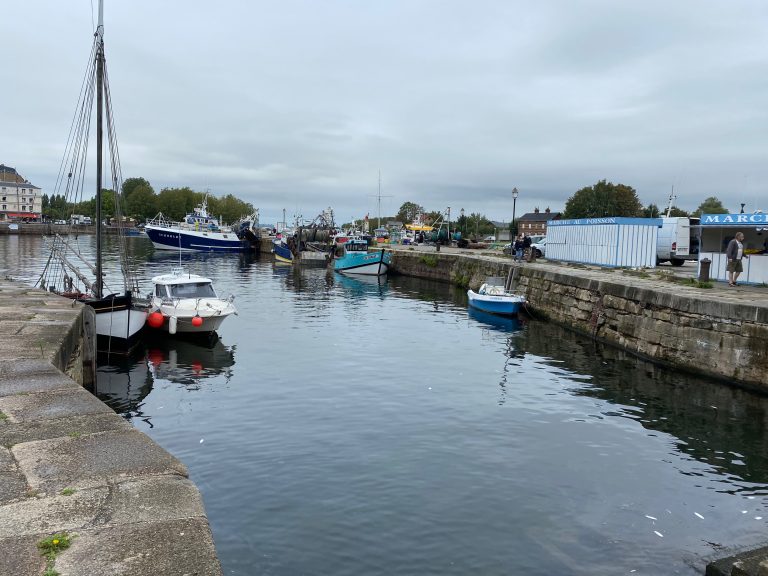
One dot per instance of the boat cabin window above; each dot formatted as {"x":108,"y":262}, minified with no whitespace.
{"x":160,"y":291}
{"x":192,"y":290}
{"x":357,"y":247}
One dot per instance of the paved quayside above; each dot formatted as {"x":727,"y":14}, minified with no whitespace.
{"x":68,"y":463}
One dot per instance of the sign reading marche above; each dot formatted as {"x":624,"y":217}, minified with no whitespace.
{"x":734,"y":219}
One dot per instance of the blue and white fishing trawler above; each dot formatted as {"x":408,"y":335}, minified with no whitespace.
{"x":493,"y":297}
{"x":353,"y":257}
{"x":197,"y":232}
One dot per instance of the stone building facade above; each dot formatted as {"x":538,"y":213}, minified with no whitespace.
{"x":19,"y":199}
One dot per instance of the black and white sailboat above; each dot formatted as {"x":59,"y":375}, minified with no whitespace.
{"x":119,"y":316}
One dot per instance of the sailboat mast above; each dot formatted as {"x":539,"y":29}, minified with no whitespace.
{"x":379,"y":200}
{"x":97,"y":287}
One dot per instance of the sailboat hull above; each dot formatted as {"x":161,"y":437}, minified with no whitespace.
{"x":118,"y":319}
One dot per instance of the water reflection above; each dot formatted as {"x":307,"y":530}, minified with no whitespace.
{"x":361,"y":287}
{"x":189,"y":362}
{"x":721,"y":426}
{"x":123,"y":382}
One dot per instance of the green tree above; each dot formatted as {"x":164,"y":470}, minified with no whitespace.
{"x":408,"y":212}
{"x":651,"y":211}
{"x":141,"y":204}
{"x":603,"y":199}
{"x":228,"y":208}
{"x":132,"y":184}
{"x":711,"y":205}
{"x":175,"y":203}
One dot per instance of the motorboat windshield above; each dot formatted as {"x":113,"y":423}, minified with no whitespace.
{"x":192,"y":290}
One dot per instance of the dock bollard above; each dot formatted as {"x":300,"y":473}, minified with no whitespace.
{"x":704,"y":270}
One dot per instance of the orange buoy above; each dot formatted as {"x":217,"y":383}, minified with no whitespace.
{"x":197,"y":321}
{"x":155,"y":320}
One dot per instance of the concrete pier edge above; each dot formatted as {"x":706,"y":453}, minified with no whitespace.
{"x":69,"y":464}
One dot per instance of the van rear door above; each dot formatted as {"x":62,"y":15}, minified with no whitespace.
{"x":683,"y":237}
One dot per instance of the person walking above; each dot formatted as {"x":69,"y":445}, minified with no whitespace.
{"x":734,"y":253}
{"x":518,"y":248}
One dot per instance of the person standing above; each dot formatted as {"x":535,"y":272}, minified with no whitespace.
{"x":734,"y":253}
{"x":527,"y":247}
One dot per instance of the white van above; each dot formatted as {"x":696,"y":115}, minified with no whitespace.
{"x":674,"y":242}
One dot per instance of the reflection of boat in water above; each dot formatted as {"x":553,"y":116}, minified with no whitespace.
{"x":362,"y":284}
{"x":123,"y":383}
{"x":188,"y":362}
{"x":495,"y":298}
{"x":494,"y":321}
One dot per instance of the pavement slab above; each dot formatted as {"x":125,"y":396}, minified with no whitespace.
{"x":144,"y":500}
{"x":13,"y":484}
{"x":19,"y":384}
{"x":11,"y":434}
{"x":19,"y":556}
{"x":51,"y":405}
{"x":173,"y":548}
{"x":92,"y":460}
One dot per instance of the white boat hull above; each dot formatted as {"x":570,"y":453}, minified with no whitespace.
{"x":123,"y":324}
{"x":375,"y":269}
{"x":178,"y":318}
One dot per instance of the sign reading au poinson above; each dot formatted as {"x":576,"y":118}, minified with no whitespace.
{"x":720,"y":219}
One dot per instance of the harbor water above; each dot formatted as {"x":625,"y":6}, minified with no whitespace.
{"x":362,"y":427}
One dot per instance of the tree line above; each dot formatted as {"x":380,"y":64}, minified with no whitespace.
{"x":139,"y":201}
{"x":599,"y":200}
{"x":609,"y":199}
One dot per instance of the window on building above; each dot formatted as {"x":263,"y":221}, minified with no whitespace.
{"x":4,"y":207}
{"x":23,"y":207}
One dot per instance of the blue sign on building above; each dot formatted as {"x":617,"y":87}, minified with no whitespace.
{"x":733,"y":219}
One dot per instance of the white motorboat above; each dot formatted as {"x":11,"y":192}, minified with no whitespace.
{"x":187,"y":303}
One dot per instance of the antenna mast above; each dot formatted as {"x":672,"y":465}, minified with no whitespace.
{"x":671,"y":199}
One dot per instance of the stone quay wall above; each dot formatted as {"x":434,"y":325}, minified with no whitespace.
{"x":710,"y":332}
{"x":70,"y":465}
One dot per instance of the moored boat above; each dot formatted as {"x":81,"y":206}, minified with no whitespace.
{"x":493,"y":297}
{"x":199,"y":231}
{"x":187,"y":303}
{"x":119,"y":316}
{"x":282,"y":251}
{"x":353,"y":257}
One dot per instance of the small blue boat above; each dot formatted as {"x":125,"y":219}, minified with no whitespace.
{"x":353,"y":257}
{"x":281,"y":251}
{"x":494,"y":298}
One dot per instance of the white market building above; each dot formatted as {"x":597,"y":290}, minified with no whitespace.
{"x":612,"y":242}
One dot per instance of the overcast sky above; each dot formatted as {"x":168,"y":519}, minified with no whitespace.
{"x":298,"y":104}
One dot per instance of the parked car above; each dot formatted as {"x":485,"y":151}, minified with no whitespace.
{"x":489,"y":239}
{"x":540,"y":247}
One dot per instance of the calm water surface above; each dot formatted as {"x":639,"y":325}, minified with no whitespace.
{"x":351,"y":427}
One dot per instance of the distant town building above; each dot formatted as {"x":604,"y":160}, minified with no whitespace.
{"x":535,"y":223}
{"x":19,"y":200}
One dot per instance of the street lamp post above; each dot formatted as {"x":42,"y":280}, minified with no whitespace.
{"x":463,"y":224}
{"x":514,"y":205}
